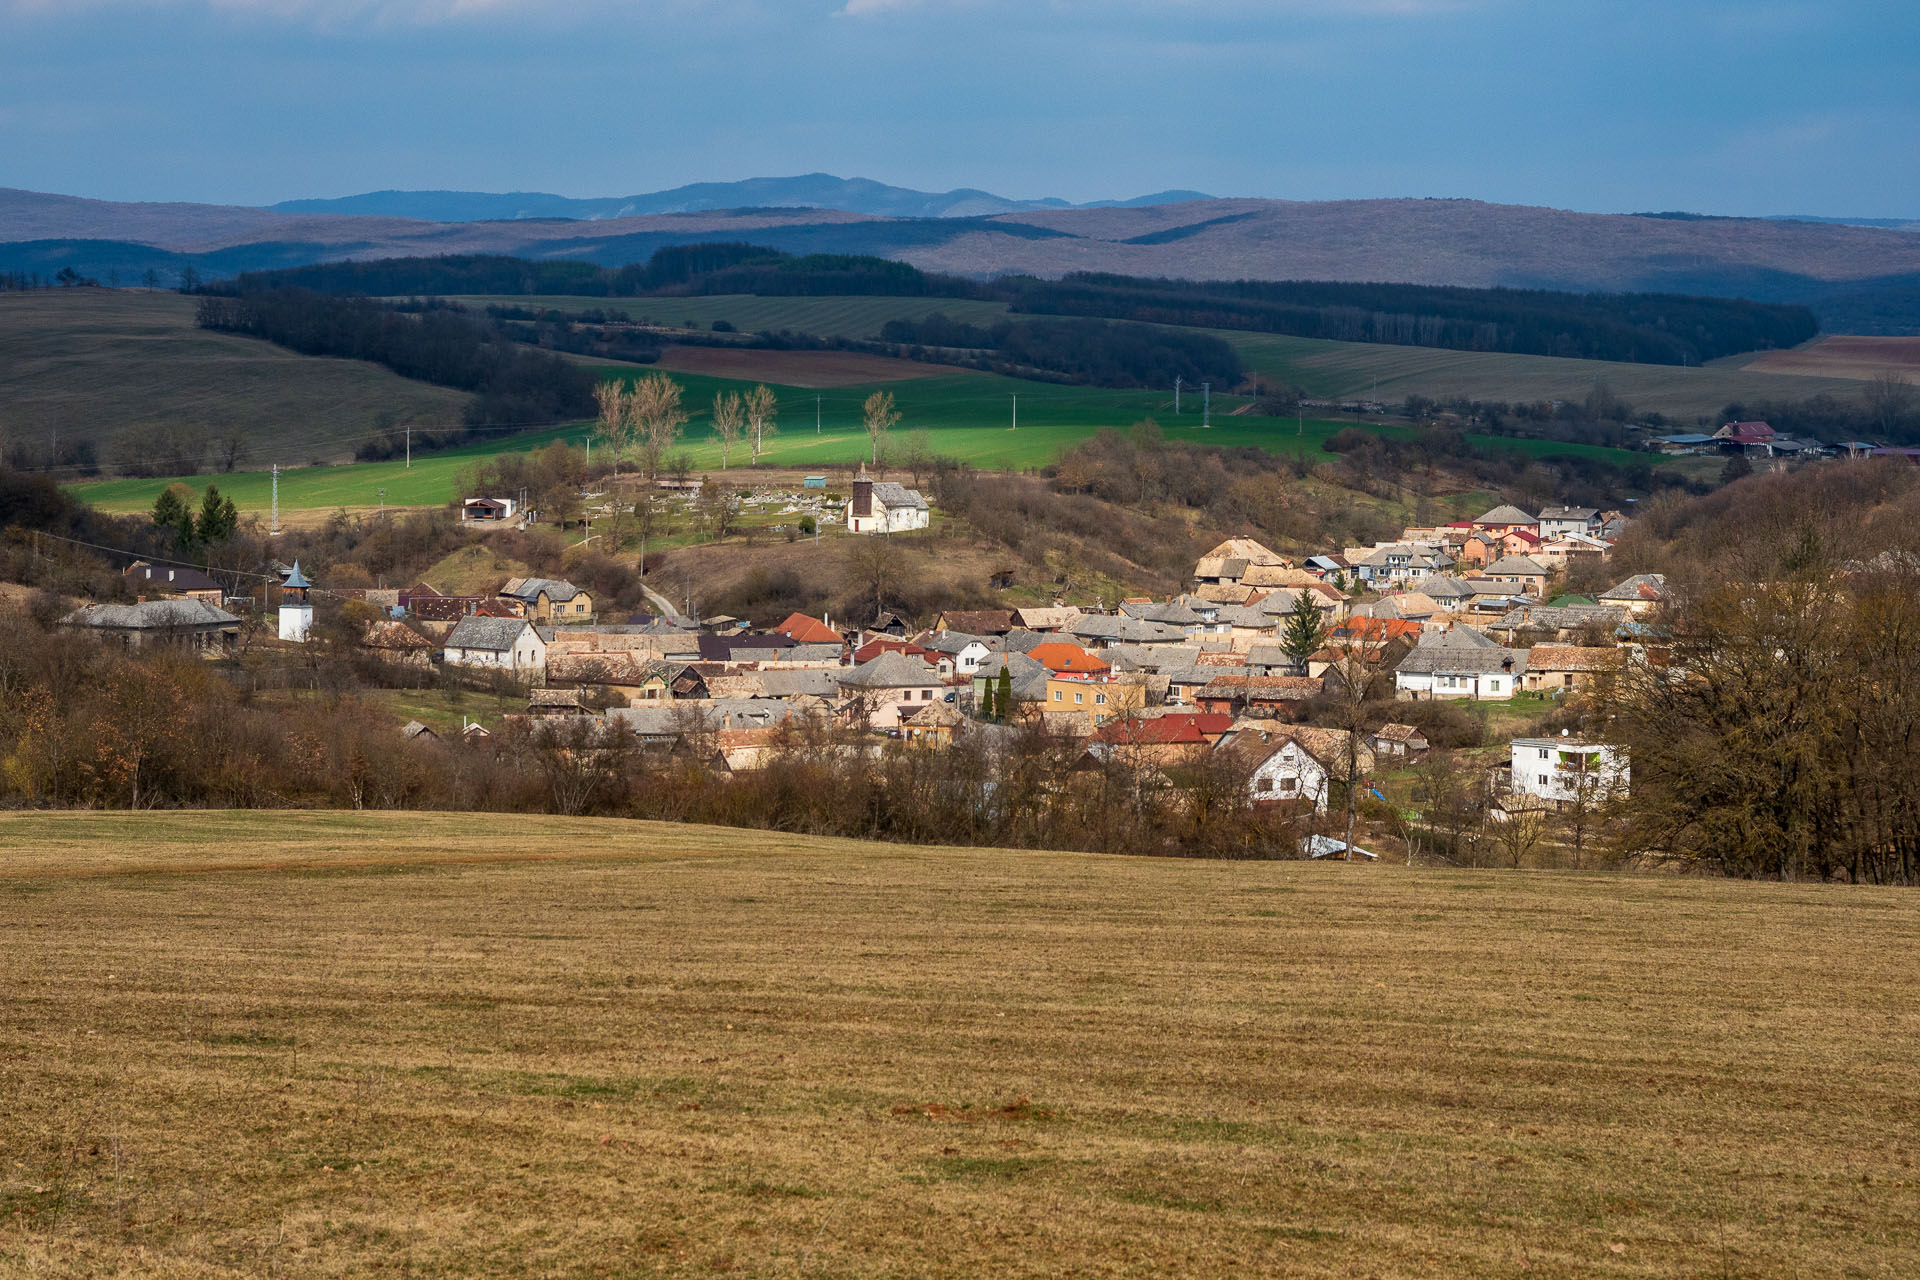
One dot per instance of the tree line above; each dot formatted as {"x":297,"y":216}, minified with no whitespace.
{"x":1099,"y":352}
{"x":1653,"y":328}
{"x":512,"y":385}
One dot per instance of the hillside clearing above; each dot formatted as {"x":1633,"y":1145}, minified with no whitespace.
{"x":1844,"y":357}
{"x":85,"y":364}
{"x":320,"y":1043}
{"x":803,"y":369}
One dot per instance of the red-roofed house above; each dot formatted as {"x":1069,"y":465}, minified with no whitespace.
{"x":1744,"y":434}
{"x":1063,"y":659}
{"x":802,"y":629}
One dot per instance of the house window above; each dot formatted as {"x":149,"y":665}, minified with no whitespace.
{"x":1056,"y":695}
{"x":926,"y":695}
{"x":1568,"y":680}
{"x":1543,"y":756}
{"x":1079,"y":697}
{"x":1099,"y":699}
{"x":1289,"y":785}
{"x":1264,"y":784}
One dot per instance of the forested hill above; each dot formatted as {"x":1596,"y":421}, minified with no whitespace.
{"x":1649,"y":328}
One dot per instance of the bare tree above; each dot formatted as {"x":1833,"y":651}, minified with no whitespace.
{"x":727,"y":418}
{"x":761,"y":411}
{"x":1350,"y":683}
{"x":615,"y":423}
{"x":657,"y":414}
{"x":880,"y":419}
{"x":1520,"y":834}
{"x":1889,"y":397}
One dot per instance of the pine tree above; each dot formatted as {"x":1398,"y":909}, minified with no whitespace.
{"x":1304,"y":632}
{"x":218,"y":517}
{"x":1003,"y":704}
{"x":987,"y":703}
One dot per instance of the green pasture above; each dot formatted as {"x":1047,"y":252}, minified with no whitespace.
{"x":850,"y":317}
{"x":967,"y":417}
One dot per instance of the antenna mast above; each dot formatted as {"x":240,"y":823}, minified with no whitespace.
{"x":276,"y":497}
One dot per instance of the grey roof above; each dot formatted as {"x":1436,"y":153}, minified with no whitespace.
{"x":1150,"y":657}
{"x":1460,"y":650}
{"x":1171,"y":613}
{"x":1569,"y":513}
{"x":529,"y":590}
{"x":721,"y":713}
{"x":1441,"y":588}
{"x":795,"y":682}
{"x":1098,"y":626}
{"x":1242,"y":615}
{"x":1268,"y":655}
{"x":496,"y":635}
{"x":1205,"y":675}
{"x":295,"y":578}
{"x":1029,"y":676}
{"x":890,"y":494}
{"x":1562,"y":617}
{"x":891,"y":670}
{"x":950,"y":642}
{"x":1641,"y":586}
{"x":1021,"y":640}
{"x":1516,"y":564}
{"x":150,"y":615}
{"x":1506,"y":515}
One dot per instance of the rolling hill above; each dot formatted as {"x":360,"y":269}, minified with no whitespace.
{"x":1858,"y":278}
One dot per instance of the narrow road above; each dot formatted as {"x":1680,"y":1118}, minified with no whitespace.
{"x":663,"y":605}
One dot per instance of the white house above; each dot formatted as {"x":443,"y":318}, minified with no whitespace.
{"x":1290,"y":773}
{"x":1459,"y":663}
{"x":488,"y":510}
{"x":1566,"y":770}
{"x":881,"y":506}
{"x":964,"y":651}
{"x":513,"y":644}
{"x":1561,"y":522}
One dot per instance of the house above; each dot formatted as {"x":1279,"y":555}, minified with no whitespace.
{"x":802,"y":628}
{"x":487,"y":510}
{"x":548,"y":704}
{"x":964,"y":653}
{"x":1227,"y":564}
{"x":180,"y":621}
{"x":1686,"y":442}
{"x":146,"y":580}
{"x":933,"y":725}
{"x":1505,"y":519}
{"x":976,"y":622}
{"x":1397,"y":740}
{"x":1460,"y":663}
{"x":627,"y":674}
{"x":1027,"y":680}
{"x":884,"y":691}
{"x":549,"y":599}
{"x":1559,"y":522}
{"x":881,"y":506}
{"x":1639,"y":595}
{"x":1551,"y":623}
{"x":1046,"y":619}
{"x":1565,"y":771}
{"x":1575,"y":548}
{"x":1279,"y":696}
{"x":398,"y":643}
{"x":1520,"y":571}
{"x":509,"y":644}
{"x":414,"y":731}
{"x":1567,"y":667}
{"x":1290,"y":764}
{"x":1158,"y":740}
{"x":1739,"y":437}
{"x":1080,"y":682}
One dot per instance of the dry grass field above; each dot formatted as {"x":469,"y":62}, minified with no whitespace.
{"x":353,"y":1044}
{"x":1844,"y":357}
{"x":87,"y":363}
{"x":808,"y":369}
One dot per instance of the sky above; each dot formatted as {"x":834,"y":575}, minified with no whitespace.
{"x":1756,"y":107}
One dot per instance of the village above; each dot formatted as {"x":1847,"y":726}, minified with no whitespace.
{"x":1280,"y":667}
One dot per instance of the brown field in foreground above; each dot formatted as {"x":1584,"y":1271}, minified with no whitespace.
{"x":1844,"y":357}
{"x":796,"y":368}
{"x":347,"y":1044}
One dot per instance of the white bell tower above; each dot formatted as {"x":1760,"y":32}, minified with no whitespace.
{"x":296,"y":611}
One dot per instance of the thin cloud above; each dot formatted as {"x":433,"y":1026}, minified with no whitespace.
{"x":1247,"y":9}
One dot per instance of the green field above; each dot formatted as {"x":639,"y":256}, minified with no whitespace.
{"x":967,"y":417}
{"x":853,"y":317}
{"x":436,"y":1045}
{"x":1341,"y":370}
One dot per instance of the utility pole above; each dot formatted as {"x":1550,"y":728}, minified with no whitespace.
{"x":1176,"y":397}
{"x":1206,"y":404}
{"x":589,"y":453}
{"x":816,"y":415}
{"x":1016,"y":412}
{"x":276,"y":497}
{"x":409,"y":446}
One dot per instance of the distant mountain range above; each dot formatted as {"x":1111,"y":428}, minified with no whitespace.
{"x":1859,"y":279}
{"x":809,"y":191}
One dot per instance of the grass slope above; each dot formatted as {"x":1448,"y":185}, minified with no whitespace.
{"x":330,"y":1044}
{"x":966,"y":415}
{"x":87,"y":363}
{"x":1344,"y":369}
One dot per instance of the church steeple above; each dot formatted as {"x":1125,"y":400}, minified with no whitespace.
{"x":296,"y":611}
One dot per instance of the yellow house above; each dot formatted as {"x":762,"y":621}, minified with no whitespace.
{"x":1097,"y":699}
{"x":550,"y":599}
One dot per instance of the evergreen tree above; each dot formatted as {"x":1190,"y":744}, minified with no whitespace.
{"x":173,"y":510}
{"x":218,"y":517}
{"x":1305,"y":631}
{"x":987,"y":703}
{"x":1003,"y":704}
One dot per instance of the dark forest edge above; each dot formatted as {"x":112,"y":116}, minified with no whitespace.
{"x":1648,"y":328}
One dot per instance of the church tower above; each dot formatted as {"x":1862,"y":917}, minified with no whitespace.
{"x":296,"y":611}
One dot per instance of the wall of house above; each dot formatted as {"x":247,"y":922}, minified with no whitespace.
{"x":1290,"y":774}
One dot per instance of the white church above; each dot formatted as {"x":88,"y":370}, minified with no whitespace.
{"x":881,"y":506}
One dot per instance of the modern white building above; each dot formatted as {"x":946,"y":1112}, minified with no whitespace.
{"x":881,"y":506}
{"x":1564,"y":771}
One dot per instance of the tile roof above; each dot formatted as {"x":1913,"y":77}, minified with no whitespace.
{"x":494,"y":635}
{"x":529,"y":589}
{"x":890,"y":671}
{"x":1572,"y":657}
{"x":1506,"y":515}
{"x":804,"y":629}
{"x":150,"y":615}
{"x":1059,"y":656}
{"x":168,"y":578}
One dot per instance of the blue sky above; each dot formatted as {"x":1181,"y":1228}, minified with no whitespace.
{"x":1603,"y":105}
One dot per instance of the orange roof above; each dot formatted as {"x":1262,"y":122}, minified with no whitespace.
{"x":1377,"y":628}
{"x":802,"y":629}
{"x":1059,"y":656}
